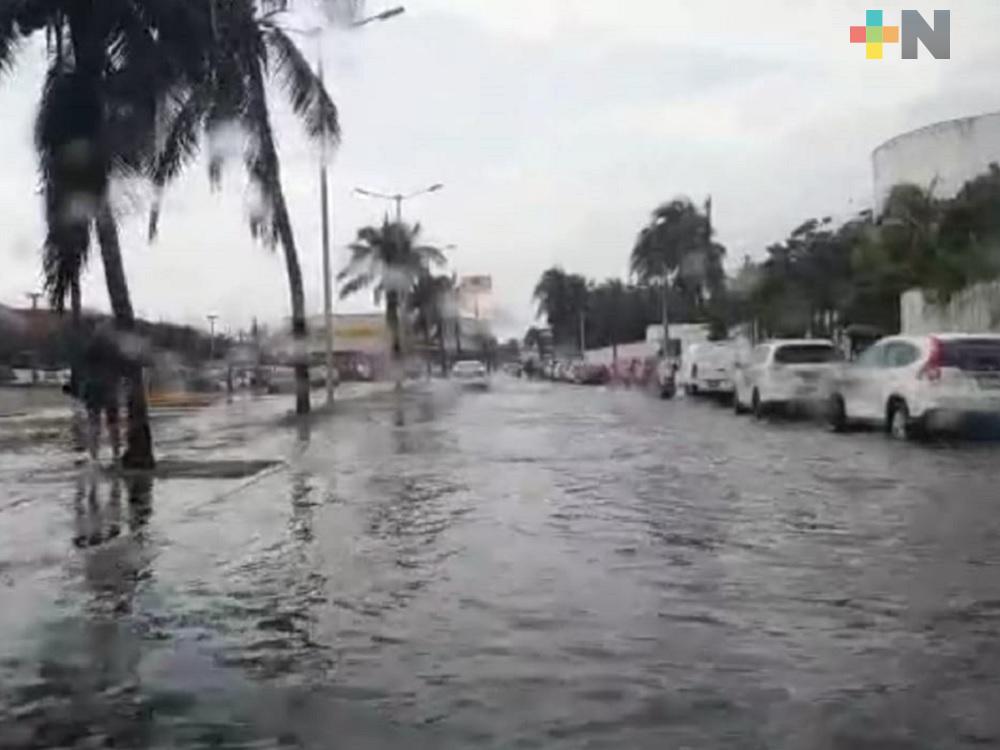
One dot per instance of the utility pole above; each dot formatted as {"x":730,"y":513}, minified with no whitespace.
{"x":316,"y":33}
{"x":34,"y":297}
{"x":211,"y":336}
{"x":324,"y":193}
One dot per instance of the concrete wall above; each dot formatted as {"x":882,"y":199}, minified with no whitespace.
{"x":974,"y":310}
{"x":950,"y":152}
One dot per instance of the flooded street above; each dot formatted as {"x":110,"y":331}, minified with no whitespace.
{"x":535,"y":566}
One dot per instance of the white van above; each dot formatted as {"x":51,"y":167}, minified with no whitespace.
{"x":708,"y":369}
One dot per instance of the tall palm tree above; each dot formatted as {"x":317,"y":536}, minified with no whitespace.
{"x":109,"y":69}
{"x":248,"y":48}
{"x":390,"y":261}
{"x":562,"y":300}
{"x":675,"y":231}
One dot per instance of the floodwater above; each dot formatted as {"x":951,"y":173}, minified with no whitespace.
{"x":536,"y":566}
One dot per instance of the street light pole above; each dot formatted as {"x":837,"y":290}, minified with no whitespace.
{"x":324,"y":199}
{"x":211,"y":336}
{"x":398,"y":198}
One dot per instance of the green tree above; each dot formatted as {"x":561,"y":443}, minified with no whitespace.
{"x":562,"y":299}
{"x":676,"y":246}
{"x":390,"y":261}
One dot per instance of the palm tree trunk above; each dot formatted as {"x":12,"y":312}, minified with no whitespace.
{"x":76,"y":304}
{"x":442,"y":349}
{"x":139,"y":441}
{"x":283,"y":225}
{"x":392,"y":321}
{"x":268,"y":171}
{"x":665,"y":313}
{"x":427,"y":347}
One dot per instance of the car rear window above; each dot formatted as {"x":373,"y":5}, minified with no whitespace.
{"x":972,"y":354}
{"x":805,"y":354}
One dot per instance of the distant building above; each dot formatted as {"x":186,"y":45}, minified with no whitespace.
{"x":943,"y":156}
{"x":366,"y":337}
{"x":946,"y":155}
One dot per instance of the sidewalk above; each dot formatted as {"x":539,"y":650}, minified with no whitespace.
{"x":38,"y":443}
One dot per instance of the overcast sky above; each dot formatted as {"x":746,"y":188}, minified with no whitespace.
{"x":556,"y":125}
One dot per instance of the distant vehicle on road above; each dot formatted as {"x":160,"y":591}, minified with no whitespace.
{"x":590,"y":373}
{"x":783,"y":373}
{"x":911,"y":385}
{"x":708,"y":369}
{"x":471,"y":373}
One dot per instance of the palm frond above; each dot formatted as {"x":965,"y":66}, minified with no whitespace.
{"x":19,"y":19}
{"x":180,"y":148}
{"x":355,"y":284}
{"x":431,"y":255}
{"x":261,"y":161}
{"x":306,"y":92}
{"x":10,"y":37}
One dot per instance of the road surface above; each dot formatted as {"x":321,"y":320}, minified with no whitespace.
{"x":539,"y":566}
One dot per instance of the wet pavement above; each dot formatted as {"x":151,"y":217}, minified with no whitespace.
{"x":535,"y":566}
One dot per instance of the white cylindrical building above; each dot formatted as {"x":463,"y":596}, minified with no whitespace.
{"x":945,"y":155}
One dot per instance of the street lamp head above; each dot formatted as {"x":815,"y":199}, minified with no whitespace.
{"x":435,"y":187}
{"x":385,"y":15}
{"x":391,"y":13}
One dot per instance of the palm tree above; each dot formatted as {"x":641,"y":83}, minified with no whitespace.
{"x":676,"y":230}
{"x":429,"y":303}
{"x":562,"y":300}
{"x":110,"y":68}
{"x":390,"y":260}
{"x":248,"y":48}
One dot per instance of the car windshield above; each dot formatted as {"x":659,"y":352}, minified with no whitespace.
{"x":805,"y":354}
{"x":469,"y":367}
{"x":980,"y":355}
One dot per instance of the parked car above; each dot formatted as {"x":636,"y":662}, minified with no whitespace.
{"x":589,"y":373}
{"x":471,"y":373}
{"x":784,"y":373}
{"x":708,"y":369}
{"x":915,"y":384}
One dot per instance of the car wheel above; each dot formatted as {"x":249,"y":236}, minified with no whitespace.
{"x":836,"y":414}
{"x":757,"y":406}
{"x":738,"y":407}
{"x":899,"y":425}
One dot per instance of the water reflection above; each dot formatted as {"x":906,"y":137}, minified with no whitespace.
{"x":85,"y":689}
{"x":97,"y":520}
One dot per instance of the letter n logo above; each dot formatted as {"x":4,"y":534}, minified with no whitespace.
{"x":936,"y":39}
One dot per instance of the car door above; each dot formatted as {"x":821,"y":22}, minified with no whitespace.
{"x":859,"y":384}
{"x":900,"y":356}
{"x":754,"y":370}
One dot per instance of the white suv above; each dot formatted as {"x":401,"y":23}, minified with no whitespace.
{"x":784,"y":372}
{"x":912,"y":384}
